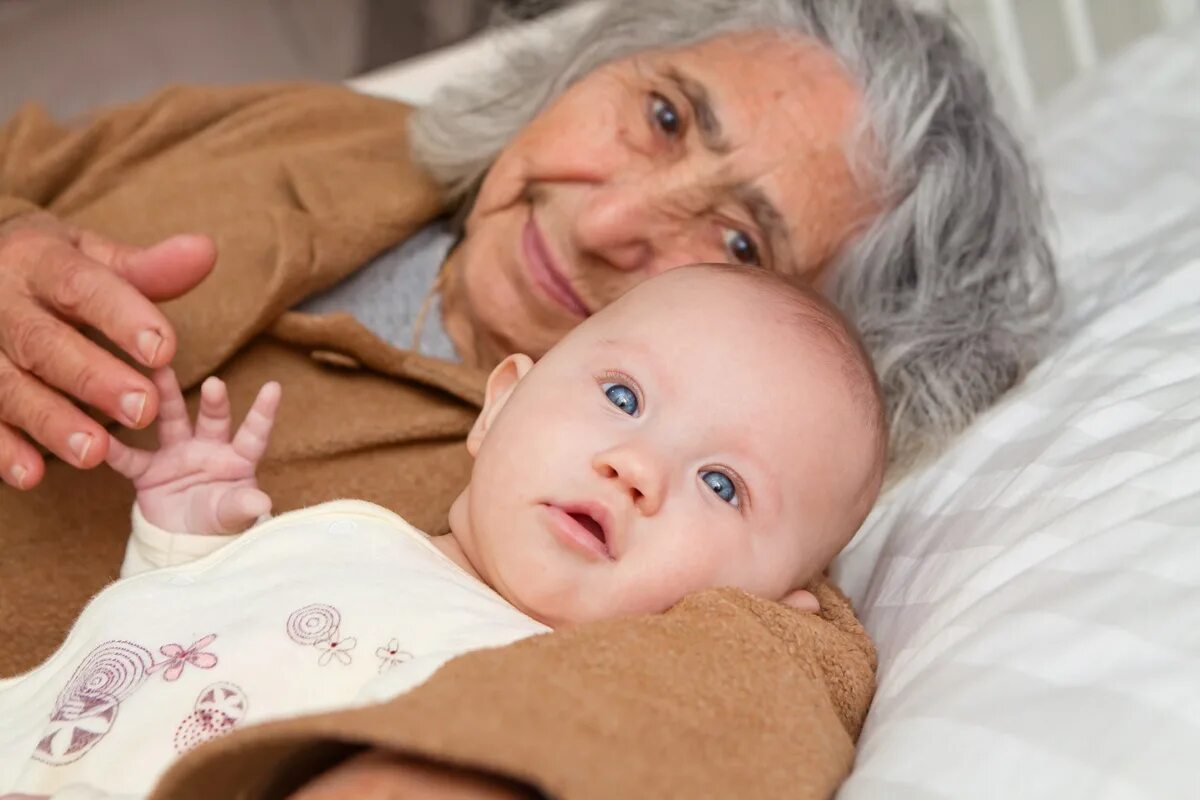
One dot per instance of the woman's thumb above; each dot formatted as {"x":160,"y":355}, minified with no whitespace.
{"x":160,"y":272}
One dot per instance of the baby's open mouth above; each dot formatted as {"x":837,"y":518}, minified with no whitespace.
{"x":584,"y":526}
{"x":590,"y":525}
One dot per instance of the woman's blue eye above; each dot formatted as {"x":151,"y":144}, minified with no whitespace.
{"x":622,"y":397}
{"x":665,"y":115}
{"x":741,"y":247}
{"x":721,"y":483}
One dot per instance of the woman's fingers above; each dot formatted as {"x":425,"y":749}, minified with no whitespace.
{"x":53,"y":278}
{"x":28,"y":405}
{"x":162,"y":271}
{"x":251,"y":439}
{"x":63,"y":359}
{"x":382,"y":775}
{"x":83,"y":290}
{"x":128,"y":461}
{"x":20,"y":465}
{"x":173,"y":424}
{"x":239,"y":508}
{"x":213,"y":421}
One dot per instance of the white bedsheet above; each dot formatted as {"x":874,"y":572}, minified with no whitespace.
{"x":1035,"y":594}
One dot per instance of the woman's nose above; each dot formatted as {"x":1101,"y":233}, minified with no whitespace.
{"x":637,"y":474}
{"x":615,"y":225}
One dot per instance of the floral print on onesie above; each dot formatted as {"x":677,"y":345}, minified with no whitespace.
{"x":336,"y":605}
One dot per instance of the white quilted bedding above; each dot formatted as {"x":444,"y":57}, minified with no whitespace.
{"x":1035,"y":594}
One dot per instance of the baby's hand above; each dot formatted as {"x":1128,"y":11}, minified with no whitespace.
{"x":200,"y":482}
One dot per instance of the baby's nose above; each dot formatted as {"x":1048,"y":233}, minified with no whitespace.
{"x":642,"y":480}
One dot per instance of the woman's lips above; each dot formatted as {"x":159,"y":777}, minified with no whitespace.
{"x":568,"y":529}
{"x":545,"y":273}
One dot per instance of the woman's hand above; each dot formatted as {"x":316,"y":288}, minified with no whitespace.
{"x":54,"y":279}
{"x":379,"y":775}
{"x":200,"y":480}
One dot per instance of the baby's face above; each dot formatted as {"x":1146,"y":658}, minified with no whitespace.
{"x":682,"y":439}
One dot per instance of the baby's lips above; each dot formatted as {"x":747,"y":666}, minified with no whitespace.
{"x":602,"y":517}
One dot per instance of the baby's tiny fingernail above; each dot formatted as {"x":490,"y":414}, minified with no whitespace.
{"x":18,"y":475}
{"x":80,"y":443}
{"x":148,"y":343}
{"x":132,"y":406}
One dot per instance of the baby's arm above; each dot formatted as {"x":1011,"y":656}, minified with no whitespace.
{"x":199,"y":486}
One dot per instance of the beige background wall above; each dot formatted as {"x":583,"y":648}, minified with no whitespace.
{"x":72,"y":55}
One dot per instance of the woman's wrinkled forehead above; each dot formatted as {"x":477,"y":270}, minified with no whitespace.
{"x":796,"y":60}
{"x":784,"y":115}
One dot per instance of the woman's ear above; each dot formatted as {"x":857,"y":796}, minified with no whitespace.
{"x":500,"y":385}
{"x":803,"y":600}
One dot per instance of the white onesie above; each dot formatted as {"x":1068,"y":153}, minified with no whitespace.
{"x":332,"y":606}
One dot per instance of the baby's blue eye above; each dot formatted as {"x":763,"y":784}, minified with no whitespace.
{"x":721,"y":483}
{"x":622,"y":397}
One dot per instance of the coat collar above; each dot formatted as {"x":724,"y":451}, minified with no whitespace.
{"x":342,"y":340}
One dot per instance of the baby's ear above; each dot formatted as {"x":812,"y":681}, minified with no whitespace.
{"x":802,"y":600}
{"x":500,"y":385}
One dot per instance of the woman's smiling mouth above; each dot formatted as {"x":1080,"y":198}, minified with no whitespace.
{"x":545,"y":273}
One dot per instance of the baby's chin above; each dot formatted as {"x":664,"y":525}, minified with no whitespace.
{"x":559,"y":615}
{"x":562,"y":610}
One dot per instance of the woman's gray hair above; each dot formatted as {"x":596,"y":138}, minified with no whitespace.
{"x":952,"y":285}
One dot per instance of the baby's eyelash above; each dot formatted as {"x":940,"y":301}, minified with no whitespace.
{"x":743,"y":491}
{"x":616,"y":376}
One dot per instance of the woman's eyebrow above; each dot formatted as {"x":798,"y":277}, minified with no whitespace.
{"x":767,"y":217}
{"x":712,"y":136}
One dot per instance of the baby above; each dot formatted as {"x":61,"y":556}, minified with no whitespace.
{"x":713,"y":427}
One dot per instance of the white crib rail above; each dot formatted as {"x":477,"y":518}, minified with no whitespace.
{"x":1077,"y":20}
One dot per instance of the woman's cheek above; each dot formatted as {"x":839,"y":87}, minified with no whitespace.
{"x":502,"y":188}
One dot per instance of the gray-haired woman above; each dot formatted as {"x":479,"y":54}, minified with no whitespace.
{"x":852,"y":143}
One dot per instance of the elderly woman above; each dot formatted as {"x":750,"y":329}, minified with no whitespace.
{"x":852,"y":143}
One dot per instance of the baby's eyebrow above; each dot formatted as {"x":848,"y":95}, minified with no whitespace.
{"x":647,"y":359}
{"x":640,"y":347}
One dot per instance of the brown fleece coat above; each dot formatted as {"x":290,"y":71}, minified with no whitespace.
{"x":724,"y":696}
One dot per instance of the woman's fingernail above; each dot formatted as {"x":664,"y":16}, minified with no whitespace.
{"x":80,"y":443}
{"x":18,"y":475}
{"x":132,"y":406}
{"x":148,"y":343}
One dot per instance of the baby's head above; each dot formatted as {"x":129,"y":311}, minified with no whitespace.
{"x":715,"y":426}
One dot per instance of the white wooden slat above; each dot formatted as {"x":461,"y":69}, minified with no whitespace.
{"x":1178,"y":11}
{"x":1012,"y":53}
{"x":1082,"y":35}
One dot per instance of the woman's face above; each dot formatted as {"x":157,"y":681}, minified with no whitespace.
{"x":731,"y":150}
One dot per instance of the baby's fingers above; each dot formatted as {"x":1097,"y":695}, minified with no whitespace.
{"x":128,"y":461}
{"x":213,"y":420}
{"x":237,"y":509}
{"x":173,"y":425}
{"x":250,"y":442}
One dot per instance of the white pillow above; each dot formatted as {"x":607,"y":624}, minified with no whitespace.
{"x":1035,"y":594}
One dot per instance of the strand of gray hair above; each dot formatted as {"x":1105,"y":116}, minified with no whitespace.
{"x":952,"y":286}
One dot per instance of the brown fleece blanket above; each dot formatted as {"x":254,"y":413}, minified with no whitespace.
{"x":724,"y":696}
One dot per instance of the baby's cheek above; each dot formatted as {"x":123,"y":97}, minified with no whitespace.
{"x":675,"y":575}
